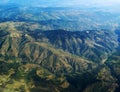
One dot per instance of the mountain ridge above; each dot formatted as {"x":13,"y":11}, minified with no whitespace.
{"x":51,"y":50}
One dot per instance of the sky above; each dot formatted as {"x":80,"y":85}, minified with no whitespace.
{"x":99,"y":3}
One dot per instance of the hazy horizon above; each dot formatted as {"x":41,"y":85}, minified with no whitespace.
{"x":94,"y":3}
{"x":108,"y":5}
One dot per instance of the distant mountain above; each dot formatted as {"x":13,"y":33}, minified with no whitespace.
{"x":75,"y":19}
{"x":75,"y":3}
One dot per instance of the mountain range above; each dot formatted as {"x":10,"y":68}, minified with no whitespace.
{"x":58,"y":50}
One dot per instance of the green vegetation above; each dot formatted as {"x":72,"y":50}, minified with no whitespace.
{"x":37,"y":54}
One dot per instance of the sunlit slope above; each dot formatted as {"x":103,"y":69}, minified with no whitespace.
{"x":33,"y":60}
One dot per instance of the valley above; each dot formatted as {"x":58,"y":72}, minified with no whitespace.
{"x":51,"y":50}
